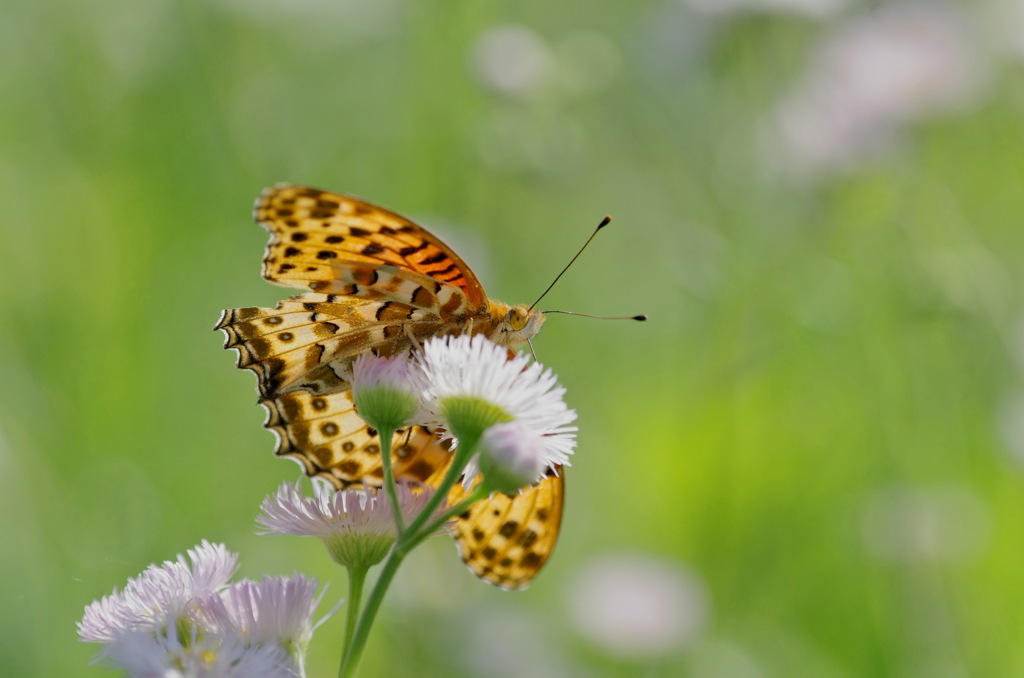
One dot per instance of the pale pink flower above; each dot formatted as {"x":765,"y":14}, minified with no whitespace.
{"x":356,"y":526}
{"x":161,"y":592}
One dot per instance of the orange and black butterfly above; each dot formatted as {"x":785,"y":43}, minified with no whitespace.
{"x":377,"y":281}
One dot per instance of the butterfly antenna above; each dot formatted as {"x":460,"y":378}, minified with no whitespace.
{"x":604,"y":222}
{"x":603,"y":317}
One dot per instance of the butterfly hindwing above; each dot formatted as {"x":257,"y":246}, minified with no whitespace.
{"x":506,"y":539}
{"x":331,"y":441}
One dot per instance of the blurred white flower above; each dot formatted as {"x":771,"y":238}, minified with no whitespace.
{"x":911,"y":524}
{"x":161,"y":592}
{"x":530,"y":130}
{"x":810,"y":8}
{"x":162,"y":655}
{"x":512,"y":60}
{"x":636,"y":606}
{"x":496,"y":638}
{"x":894,"y":65}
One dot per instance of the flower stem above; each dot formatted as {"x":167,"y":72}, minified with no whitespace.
{"x":478,"y":493}
{"x":356,"y":579}
{"x":463,"y":452}
{"x":354,"y":648}
{"x":386,"y":440}
{"x":407,"y":539}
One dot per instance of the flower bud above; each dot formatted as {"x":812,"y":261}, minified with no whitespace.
{"x":511,"y":457}
{"x":386,"y":391}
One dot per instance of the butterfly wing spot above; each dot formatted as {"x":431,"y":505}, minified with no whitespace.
{"x":423,"y":298}
{"x":349,"y":468}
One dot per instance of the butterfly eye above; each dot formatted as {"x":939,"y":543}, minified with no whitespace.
{"x":517,"y":318}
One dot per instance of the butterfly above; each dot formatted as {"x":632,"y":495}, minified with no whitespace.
{"x":378,"y":282}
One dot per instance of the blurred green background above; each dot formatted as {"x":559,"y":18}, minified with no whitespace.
{"x":808,"y":462}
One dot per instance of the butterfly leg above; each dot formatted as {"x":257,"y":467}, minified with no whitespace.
{"x":530,"y":344}
{"x":412,"y":337}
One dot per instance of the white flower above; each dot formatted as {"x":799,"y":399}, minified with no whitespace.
{"x":473,"y":376}
{"x":277,"y":610}
{"x":511,"y":457}
{"x":638,"y":607}
{"x":160,"y":593}
{"x":386,"y":391}
{"x":162,"y":655}
{"x":177,"y":620}
{"x":357,"y":527}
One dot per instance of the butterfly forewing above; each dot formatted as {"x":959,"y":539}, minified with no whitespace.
{"x":377,"y":282}
{"x":325,"y":241}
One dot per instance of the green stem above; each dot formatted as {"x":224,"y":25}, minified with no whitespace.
{"x":407,"y":539}
{"x":354,"y":649}
{"x":386,"y":440}
{"x":478,"y":493}
{"x":356,"y":579}
{"x":462,"y":455}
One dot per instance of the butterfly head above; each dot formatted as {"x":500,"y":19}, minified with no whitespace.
{"x":517,"y":326}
